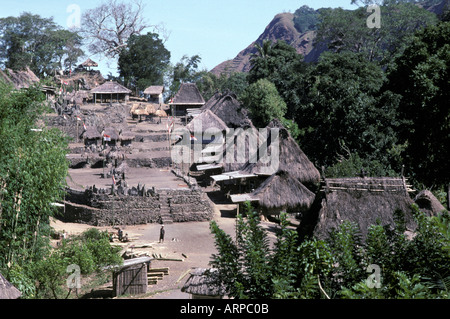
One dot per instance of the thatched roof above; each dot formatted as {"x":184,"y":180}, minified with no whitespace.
{"x":126,"y":136}
{"x":161,"y":113}
{"x":154,"y":90}
{"x":7,"y":290}
{"x":91,"y":133}
{"x":360,"y":200}
{"x":188,"y":94}
{"x":111,"y":131}
{"x":428,"y":202}
{"x":229,"y":109}
{"x":282,"y":191}
{"x":111,"y":87}
{"x":206,"y":120}
{"x":204,"y":282}
{"x":20,"y":79}
{"x":89,"y":63}
{"x":291,"y":158}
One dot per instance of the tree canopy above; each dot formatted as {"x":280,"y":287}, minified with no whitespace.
{"x":38,"y":43}
{"x":421,"y":76}
{"x":144,"y":61}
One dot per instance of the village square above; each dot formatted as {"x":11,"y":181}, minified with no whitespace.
{"x":301,"y":169}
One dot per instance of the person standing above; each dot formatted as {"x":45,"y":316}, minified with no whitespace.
{"x":161,"y":234}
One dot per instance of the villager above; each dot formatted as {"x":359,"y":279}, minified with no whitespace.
{"x":161,"y":234}
{"x":120,"y":234}
{"x":125,"y":239}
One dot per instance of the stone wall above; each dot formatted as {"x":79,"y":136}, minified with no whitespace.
{"x":98,"y":207}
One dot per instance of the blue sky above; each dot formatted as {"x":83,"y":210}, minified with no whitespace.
{"x":215,"y":30}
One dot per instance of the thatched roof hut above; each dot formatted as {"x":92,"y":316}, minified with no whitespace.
{"x":291,"y":158}
{"x":229,"y":109}
{"x":89,"y":63}
{"x":363,"y":201}
{"x":188,"y":96}
{"x":112,"y":133}
{"x":7,"y":290}
{"x":91,"y":133}
{"x":154,"y":93}
{"x":283,"y":192}
{"x":111,"y":90}
{"x":206,"y":120}
{"x":204,"y":284}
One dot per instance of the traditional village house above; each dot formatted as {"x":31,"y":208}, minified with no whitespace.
{"x":110,"y":91}
{"x":88,"y":64}
{"x":110,"y":136}
{"x":24,"y":79}
{"x":187,"y":100}
{"x":154,"y":94}
{"x":91,"y":136}
{"x":362,"y":200}
{"x":289,"y":186}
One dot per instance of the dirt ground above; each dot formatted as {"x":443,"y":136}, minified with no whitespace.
{"x":190,"y":242}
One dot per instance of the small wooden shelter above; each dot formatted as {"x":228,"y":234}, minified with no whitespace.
{"x":7,"y":290}
{"x":187,"y":97}
{"x":154,"y":94}
{"x":204,"y":284}
{"x":109,"y":91}
{"x":131,"y":277}
{"x":89,"y":64}
{"x":91,"y":136}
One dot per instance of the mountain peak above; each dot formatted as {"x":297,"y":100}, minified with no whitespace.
{"x":282,"y":27}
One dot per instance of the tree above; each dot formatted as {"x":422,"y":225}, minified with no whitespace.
{"x":108,"y":26}
{"x":209,"y":83}
{"x":144,"y":61}
{"x":246,"y":265}
{"x":33,"y":168}
{"x":281,"y":64}
{"x":32,"y":41}
{"x":422,"y":76}
{"x":344,"y":30}
{"x":185,"y":71}
{"x":264,"y":102}
{"x":345,"y":106}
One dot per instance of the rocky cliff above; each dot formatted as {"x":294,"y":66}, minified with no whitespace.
{"x":281,"y":28}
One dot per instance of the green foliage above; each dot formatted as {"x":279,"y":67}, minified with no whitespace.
{"x":209,"y":83}
{"x":144,"y":61}
{"x":246,"y":265}
{"x":91,"y":251}
{"x":421,"y":76}
{"x":39,"y":43}
{"x":187,"y":71}
{"x":33,"y":168}
{"x":345,"y":105}
{"x":306,"y":19}
{"x":346,"y":30}
{"x":337,"y":267}
{"x":264,"y":102}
